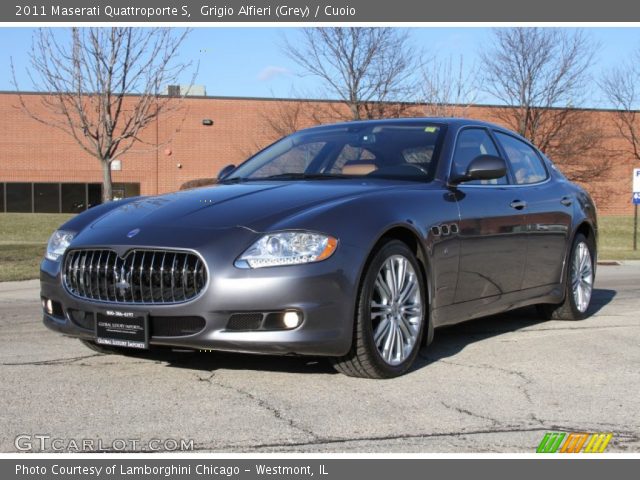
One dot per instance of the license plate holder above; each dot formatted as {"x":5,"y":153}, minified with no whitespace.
{"x":117,"y":328}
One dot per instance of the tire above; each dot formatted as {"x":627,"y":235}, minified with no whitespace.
{"x":580,"y":267}
{"x":396,"y":316}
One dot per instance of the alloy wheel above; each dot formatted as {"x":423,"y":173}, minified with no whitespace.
{"x":582,"y":276}
{"x":396,"y":310}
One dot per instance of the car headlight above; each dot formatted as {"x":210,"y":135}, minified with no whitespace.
{"x":288,"y":248}
{"x":58,"y":244}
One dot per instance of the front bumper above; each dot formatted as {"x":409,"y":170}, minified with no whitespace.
{"x":324,"y":293}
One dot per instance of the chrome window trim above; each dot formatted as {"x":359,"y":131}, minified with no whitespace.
{"x":492,"y":131}
{"x":510,"y":185}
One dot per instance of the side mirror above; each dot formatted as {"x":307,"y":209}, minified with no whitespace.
{"x":483,"y":167}
{"x":226,"y":171}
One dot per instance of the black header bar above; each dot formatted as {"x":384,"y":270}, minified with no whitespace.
{"x":328,"y":11}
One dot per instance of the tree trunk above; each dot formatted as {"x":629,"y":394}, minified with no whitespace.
{"x":355,"y":110}
{"x":107,"y":187}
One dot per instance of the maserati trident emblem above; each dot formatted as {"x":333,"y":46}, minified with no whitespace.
{"x":123,"y":286}
{"x":133,"y":233}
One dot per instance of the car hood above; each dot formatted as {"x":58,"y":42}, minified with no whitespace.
{"x":255,"y":205}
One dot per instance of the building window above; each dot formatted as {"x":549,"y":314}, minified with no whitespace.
{"x":46,"y":197}
{"x":74,"y":197}
{"x":95,"y":194}
{"x":58,"y":197}
{"x":19,"y":197}
{"x":125,"y":190}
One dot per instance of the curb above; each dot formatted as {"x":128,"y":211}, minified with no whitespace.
{"x":616,"y":263}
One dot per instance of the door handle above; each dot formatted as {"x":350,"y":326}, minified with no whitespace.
{"x":518,"y":204}
{"x":566,"y":201}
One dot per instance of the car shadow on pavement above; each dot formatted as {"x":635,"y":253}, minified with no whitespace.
{"x":210,"y":361}
{"x":448,"y":341}
{"x":600,"y":298}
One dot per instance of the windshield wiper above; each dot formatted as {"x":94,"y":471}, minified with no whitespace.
{"x":304,"y":176}
{"x":286,"y":176}
{"x":233,"y":180}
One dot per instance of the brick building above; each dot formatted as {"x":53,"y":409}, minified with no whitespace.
{"x":44,"y":170}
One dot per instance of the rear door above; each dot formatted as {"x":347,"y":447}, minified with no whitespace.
{"x":493,"y":226}
{"x":548,"y":209}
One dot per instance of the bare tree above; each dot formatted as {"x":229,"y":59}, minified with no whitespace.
{"x":283,"y":118}
{"x":277,"y":118}
{"x":541,"y":76}
{"x":447,"y":90}
{"x":620,"y":88}
{"x":534,"y":70}
{"x":371,"y":70}
{"x":103,"y":86}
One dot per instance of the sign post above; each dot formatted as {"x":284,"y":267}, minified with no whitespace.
{"x":636,"y":201}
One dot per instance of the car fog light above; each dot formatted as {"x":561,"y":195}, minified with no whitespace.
{"x":49,"y":307}
{"x":291,"y":319}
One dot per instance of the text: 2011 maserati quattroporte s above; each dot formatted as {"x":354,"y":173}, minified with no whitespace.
{"x":352,"y":241}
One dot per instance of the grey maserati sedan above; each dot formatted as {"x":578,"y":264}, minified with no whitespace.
{"x":352,"y":241}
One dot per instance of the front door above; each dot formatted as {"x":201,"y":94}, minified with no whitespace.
{"x":548,"y":209}
{"x":492,"y":228}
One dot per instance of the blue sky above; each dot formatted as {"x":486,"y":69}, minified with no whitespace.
{"x":249,"y":61}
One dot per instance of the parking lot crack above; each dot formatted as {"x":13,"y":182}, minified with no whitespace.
{"x":522,"y":387}
{"x":277,"y":413}
{"x":55,"y":361}
{"x":381,"y":438}
{"x":206,"y":379}
{"x":464,"y":411}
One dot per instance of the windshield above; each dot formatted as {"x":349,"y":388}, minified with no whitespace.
{"x":398,"y":150}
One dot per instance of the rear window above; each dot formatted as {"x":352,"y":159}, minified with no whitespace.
{"x":526,"y":165}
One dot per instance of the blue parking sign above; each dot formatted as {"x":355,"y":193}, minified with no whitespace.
{"x":636,"y":198}
{"x":636,"y":186}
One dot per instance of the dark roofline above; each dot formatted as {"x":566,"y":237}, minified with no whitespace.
{"x":326,"y":100}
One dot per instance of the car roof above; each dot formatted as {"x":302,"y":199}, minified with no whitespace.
{"x":451,"y":121}
{"x":454,"y":122}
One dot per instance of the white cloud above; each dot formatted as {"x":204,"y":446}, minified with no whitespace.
{"x":272,"y":71}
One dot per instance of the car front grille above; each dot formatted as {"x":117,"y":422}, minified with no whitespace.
{"x":142,"y":276}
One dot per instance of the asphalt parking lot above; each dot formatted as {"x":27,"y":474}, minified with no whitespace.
{"x":492,"y":385}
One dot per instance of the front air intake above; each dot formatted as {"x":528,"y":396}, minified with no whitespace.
{"x":141,"y":276}
{"x":245,"y":321}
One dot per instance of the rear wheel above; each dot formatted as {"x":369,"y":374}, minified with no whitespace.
{"x":578,"y":284}
{"x":390,"y":318}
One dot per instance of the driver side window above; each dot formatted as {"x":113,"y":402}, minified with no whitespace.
{"x":471,"y":143}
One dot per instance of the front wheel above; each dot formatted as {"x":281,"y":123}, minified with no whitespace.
{"x":390,"y":318}
{"x":578,"y":284}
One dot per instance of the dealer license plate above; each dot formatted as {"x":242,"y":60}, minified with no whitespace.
{"x":122,"y":329}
